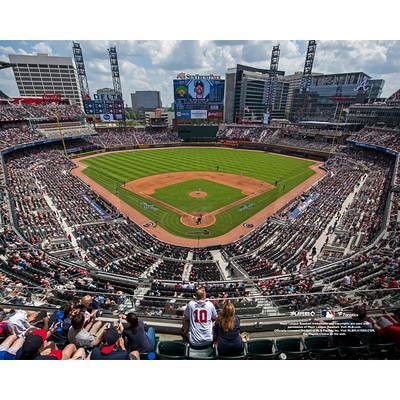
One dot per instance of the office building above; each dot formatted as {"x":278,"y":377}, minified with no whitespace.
{"x":380,"y":113}
{"x":330,"y":95}
{"x":145,"y":100}
{"x":41,"y":74}
{"x":246,"y":92}
{"x":159,"y":118}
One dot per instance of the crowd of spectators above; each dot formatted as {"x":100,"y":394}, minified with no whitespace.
{"x":45,"y":111}
{"x":11,"y":136}
{"x":74,"y":331}
{"x":13,"y":112}
{"x":384,"y":137}
{"x":59,"y":213}
{"x":318,"y":139}
{"x":129,"y":136}
{"x":282,"y":244}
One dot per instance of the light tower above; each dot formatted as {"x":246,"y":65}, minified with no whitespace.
{"x":112,"y":52}
{"x":81,"y":71}
{"x":306,"y":79}
{"x":271,"y":83}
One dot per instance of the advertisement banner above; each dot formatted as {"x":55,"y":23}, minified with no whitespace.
{"x":215,"y":114}
{"x":182,"y":114}
{"x":198,"y":114}
{"x":106,"y":117}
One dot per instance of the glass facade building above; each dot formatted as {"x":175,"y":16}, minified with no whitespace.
{"x":331,"y":95}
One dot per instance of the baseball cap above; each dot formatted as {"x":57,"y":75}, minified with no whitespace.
{"x":198,"y":83}
{"x":110,"y":337}
{"x":42,"y":333}
{"x":32,"y":344}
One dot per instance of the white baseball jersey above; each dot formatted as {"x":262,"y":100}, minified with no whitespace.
{"x":200,"y":314}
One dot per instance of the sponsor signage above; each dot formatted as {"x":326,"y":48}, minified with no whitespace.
{"x":183,"y":114}
{"x":106,"y":117}
{"x":184,"y":75}
{"x":198,"y":114}
{"x":215,"y":114}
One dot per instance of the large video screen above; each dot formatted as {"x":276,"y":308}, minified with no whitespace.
{"x":199,"y":98}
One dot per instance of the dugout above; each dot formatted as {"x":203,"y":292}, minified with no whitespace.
{"x":201,"y":133}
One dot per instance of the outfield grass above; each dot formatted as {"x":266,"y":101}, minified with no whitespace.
{"x":218,"y":195}
{"x":114,"y":169}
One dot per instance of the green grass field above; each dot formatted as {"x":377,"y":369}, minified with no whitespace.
{"x":218,"y":195}
{"x":112,"y":170}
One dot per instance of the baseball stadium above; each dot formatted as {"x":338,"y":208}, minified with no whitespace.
{"x":286,"y":230}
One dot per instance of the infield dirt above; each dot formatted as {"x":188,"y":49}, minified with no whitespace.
{"x":168,"y":237}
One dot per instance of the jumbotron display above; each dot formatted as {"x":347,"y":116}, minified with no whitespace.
{"x":199,"y":96}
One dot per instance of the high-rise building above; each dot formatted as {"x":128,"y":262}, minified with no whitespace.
{"x":385,"y":113}
{"x":330,"y":95}
{"x":145,"y":100}
{"x":246,"y":91}
{"x":41,"y":74}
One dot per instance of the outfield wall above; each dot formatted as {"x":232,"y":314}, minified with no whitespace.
{"x":197,"y":133}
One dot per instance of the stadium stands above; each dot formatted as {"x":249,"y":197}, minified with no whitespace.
{"x":336,"y":245}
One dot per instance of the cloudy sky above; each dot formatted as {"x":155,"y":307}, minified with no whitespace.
{"x":152,"y":65}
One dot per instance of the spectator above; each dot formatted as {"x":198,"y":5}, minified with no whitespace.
{"x":9,"y":347}
{"x":389,"y":327}
{"x":198,"y":318}
{"x":20,"y":322}
{"x":81,"y":337}
{"x":36,"y":347}
{"x":227,"y":332}
{"x":112,"y":347}
{"x":63,"y":318}
{"x":138,"y":336}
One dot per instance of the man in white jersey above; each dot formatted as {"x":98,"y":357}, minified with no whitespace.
{"x":198,"y":318}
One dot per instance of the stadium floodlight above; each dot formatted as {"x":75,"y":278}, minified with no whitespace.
{"x":81,"y":71}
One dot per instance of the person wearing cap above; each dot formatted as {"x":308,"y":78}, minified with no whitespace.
{"x":112,"y":347}
{"x":199,"y":89}
{"x":36,"y":347}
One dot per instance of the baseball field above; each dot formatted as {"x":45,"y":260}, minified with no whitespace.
{"x":197,"y":192}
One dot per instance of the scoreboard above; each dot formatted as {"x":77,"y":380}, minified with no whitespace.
{"x":199,"y":96}
{"x":112,"y":107}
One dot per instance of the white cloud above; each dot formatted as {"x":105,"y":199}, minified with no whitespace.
{"x":153,"y":64}
{"x":42,"y":47}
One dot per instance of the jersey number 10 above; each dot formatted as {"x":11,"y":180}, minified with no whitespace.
{"x":200,"y":316}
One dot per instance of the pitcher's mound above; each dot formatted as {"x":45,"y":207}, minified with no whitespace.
{"x":198,"y":194}
{"x":197,"y":220}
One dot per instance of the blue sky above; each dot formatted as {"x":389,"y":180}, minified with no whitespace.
{"x":152,"y":65}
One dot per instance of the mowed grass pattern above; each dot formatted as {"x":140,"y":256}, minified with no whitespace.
{"x":218,"y":195}
{"x":114,"y":169}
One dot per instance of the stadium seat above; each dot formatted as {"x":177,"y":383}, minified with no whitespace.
{"x":379,"y":348}
{"x":352,"y":347}
{"x":261,"y":349}
{"x":321,"y":347}
{"x":241,"y":356}
{"x":201,"y":353}
{"x":292,"y":348}
{"x":171,"y":351}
